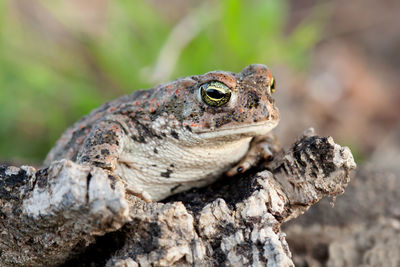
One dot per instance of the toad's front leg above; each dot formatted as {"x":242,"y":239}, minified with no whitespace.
{"x":103,"y":147}
{"x":262,"y":148}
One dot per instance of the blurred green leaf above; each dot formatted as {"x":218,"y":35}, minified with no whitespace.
{"x":53,"y":70}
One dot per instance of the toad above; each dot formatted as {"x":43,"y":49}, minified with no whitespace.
{"x":183,"y":134}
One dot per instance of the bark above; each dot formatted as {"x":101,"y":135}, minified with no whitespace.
{"x":363,"y":229}
{"x":72,"y":214}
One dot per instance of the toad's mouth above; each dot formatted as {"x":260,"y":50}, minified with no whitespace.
{"x":250,"y":130}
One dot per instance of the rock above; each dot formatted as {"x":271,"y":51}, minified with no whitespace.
{"x":72,"y":214}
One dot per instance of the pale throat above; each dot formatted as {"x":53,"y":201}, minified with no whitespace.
{"x":221,"y":154}
{"x":190,"y":166}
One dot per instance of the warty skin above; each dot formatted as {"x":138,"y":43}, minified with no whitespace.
{"x":169,"y":139}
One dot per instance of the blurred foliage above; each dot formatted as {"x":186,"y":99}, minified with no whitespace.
{"x":53,"y":69}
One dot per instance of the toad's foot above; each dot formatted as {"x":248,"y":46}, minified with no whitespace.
{"x":262,"y":148}
{"x":139,"y":193}
{"x":132,"y":190}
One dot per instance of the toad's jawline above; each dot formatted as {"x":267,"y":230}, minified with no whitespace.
{"x":260,"y":128}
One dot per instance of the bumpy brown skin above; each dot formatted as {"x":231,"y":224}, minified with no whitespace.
{"x":97,"y":138}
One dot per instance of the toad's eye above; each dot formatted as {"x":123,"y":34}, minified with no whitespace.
{"x":272,"y":85}
{"x":215,"y":93}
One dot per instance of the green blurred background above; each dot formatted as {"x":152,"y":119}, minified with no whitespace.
{"x":337,"y":66}
{"x":336,"y":63}
{"x":60,"y":59}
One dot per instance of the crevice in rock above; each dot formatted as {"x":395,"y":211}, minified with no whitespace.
{"x":232,"y":189}
{"x":98,"y":253}
{"x":89,"y":177}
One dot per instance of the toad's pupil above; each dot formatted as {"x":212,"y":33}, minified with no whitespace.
{"x":215,"y":94}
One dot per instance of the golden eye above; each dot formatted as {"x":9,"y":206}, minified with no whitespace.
{"x":272,"y":85}
{"x":215,"y":93}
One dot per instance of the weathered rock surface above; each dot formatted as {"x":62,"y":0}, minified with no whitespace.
{"x":362,"y":229}
{"x":48,"y":215}
{"x":71,"y":214}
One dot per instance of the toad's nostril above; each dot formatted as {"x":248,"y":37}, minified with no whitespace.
{"x":274,"y":115}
